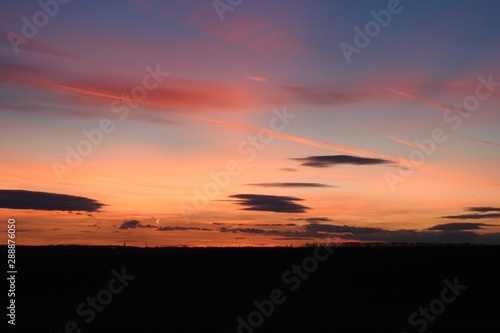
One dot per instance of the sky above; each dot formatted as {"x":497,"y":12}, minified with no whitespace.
{"x":250,"y":123}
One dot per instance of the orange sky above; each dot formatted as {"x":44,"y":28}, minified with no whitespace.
{"x":187,"y":130}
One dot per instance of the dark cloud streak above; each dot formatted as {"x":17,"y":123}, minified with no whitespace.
{"x":483,"y":209}
{"x":270,"y":203}
{"x":22,"y":199}
{"x":439,"y":234}
{"x":290,"y":185}
{"x":472,"y":216}
{"x":177,"y":228}
{"x":314,"y":219}
{"x":332,"y":160}
{"x":460,"y":226}
{"x":134,"y":224}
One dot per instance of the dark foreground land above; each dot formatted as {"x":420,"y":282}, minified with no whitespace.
{"x":371,"y":289}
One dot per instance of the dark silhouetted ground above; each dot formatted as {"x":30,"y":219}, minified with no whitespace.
{"x":372,"y":289}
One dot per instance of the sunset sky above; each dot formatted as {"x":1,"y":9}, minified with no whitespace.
{"x":203,"y":123}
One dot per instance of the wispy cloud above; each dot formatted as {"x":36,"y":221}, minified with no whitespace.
{"x":425,"y":100}
{"x":262,"y":36}
{"x":181,"y":93}
{"x":408,"y":143}
{"x":322,"y":96}
{"x":36,"y":45}
{"x":22,"y":199}
{"x":256,"y":78}
{"x":269,"y":203}
{"x":331,"y":160}
{"x":480,"y":141}
{"x":169,"y":100}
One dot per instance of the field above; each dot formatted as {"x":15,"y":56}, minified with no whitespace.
{"x":351,"y":289}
